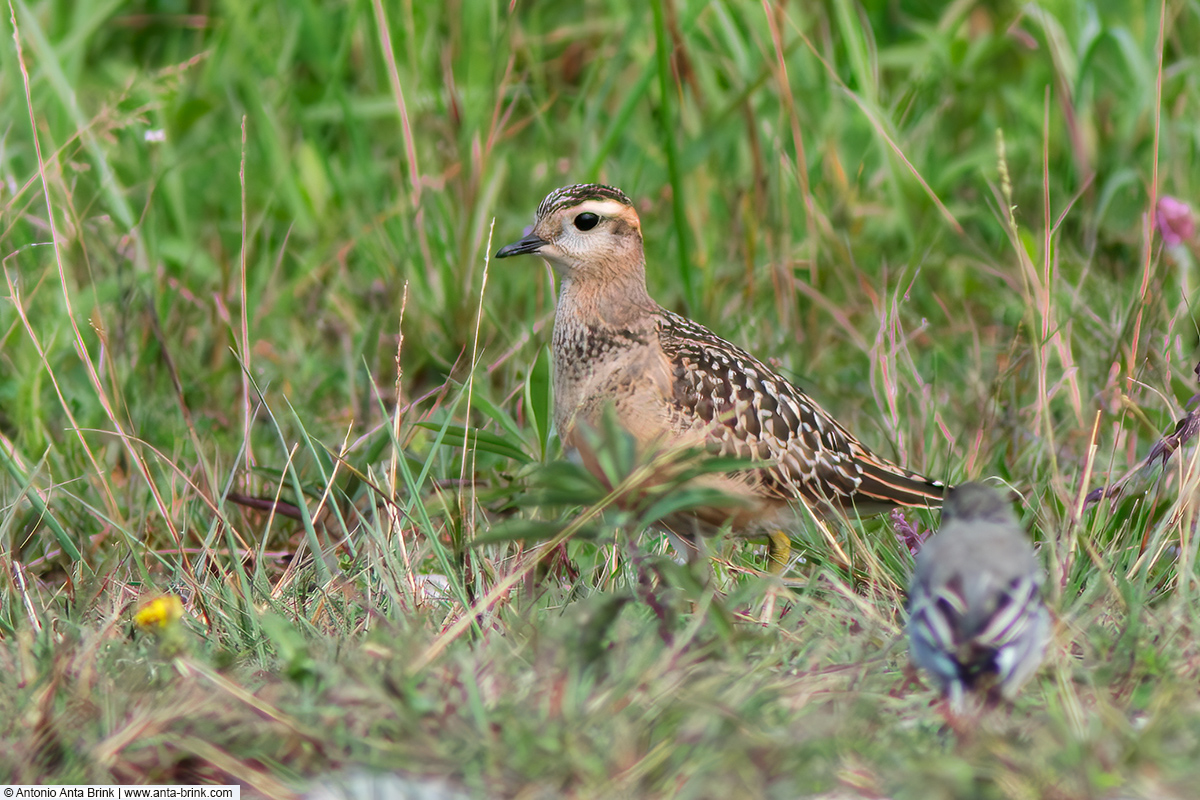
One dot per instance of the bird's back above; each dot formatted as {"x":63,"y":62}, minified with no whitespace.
{"x":744,"y":408}
{"x":977,"y":620}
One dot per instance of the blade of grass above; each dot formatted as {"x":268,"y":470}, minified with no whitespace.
{"x":667,"y":131}
{"x":8,"y":458}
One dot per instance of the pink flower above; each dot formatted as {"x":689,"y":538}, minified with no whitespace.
{"x":1174,"y":220}
{"x":909,"y":535}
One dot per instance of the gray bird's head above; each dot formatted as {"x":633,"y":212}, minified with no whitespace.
{"x":584,"y":229}
{"x":975,"y":501}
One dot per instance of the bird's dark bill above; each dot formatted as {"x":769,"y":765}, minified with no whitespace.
{"x":530,"y":244}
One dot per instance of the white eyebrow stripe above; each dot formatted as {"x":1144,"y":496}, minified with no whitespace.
{"x":605,"y":208}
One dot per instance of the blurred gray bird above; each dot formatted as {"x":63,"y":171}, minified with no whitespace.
{"x":976,"y":617}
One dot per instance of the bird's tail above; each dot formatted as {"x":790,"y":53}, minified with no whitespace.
{"x":892,"y":485}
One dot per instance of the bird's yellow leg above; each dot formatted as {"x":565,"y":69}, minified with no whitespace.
{"x":779,"y":551}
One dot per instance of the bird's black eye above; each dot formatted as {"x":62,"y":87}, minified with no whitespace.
{"x":586,"y":221}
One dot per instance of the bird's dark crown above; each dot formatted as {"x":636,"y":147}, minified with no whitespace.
{"x":578,"y":193}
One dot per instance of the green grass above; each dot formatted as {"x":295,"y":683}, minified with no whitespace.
{"x":936,"y":219}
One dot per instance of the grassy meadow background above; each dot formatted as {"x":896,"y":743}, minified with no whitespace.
{"x":937,"y":218}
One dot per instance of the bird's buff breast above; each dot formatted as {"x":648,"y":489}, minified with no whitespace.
{"x":598,"y":369}
{"x":595,"y":372}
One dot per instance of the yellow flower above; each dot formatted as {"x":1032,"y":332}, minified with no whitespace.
{"x":159,"y":612}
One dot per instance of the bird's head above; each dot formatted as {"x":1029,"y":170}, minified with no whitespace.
{"x":585,"y":230}
{"x":976,"y":501}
